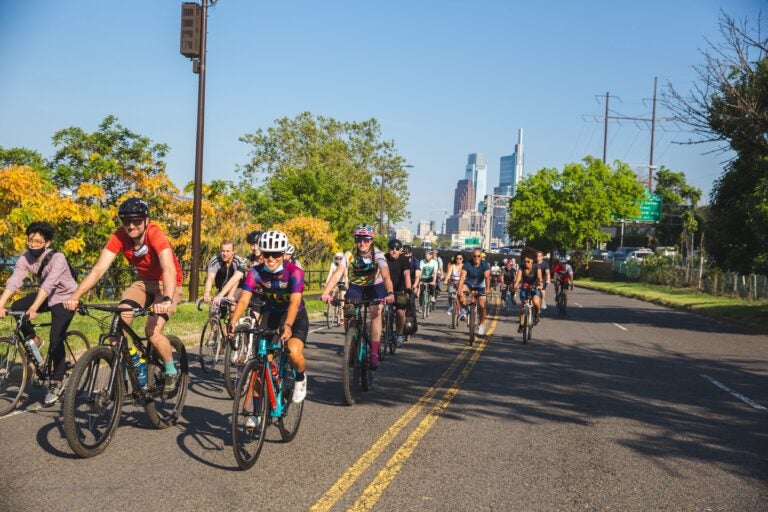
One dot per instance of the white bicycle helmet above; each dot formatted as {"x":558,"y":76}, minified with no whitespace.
{"x":273,"y":241}
{"x":290,"y":250}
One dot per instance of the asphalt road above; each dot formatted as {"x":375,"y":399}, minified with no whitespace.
{"x":623,"y":406}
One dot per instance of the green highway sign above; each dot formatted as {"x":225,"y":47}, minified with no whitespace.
{"x":472,"y":241}
{"x":650,"y":208}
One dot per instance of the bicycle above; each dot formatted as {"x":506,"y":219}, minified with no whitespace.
{"x":356,"y":366}
{"x":472,"y":316}
{"x":528,"y":315}
{"x":15,"y":357}
{"x":93,"y":399}
{"x":453,"y":301}
{"x":333,"y":314}
{"x":425,"y":299}
{"x":561,"y":298}
{"x":266,"y":387}
{"x":237,"y":351}
{"x":211,"y":338}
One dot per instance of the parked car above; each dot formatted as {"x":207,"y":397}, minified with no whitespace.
{"x":616,"y":256}
{"x":600,"y":255}
{"x":666,"y":251}
{"x":639,"y":254}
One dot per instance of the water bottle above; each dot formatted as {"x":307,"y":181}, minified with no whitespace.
{"x":142,"y":369}
{"x":32,"y":346}
{"x":139,"y":365}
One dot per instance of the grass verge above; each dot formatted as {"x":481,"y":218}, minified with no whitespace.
{"x":748,"y":312}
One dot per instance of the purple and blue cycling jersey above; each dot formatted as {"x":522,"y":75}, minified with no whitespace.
{"x":276,"y":287}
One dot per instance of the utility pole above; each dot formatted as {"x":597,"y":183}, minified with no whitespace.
{"x":194,"y":18}
{"x":653,"y":129}
{"x":605,"y":132}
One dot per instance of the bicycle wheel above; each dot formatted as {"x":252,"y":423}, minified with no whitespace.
{"x":165,"y":411}
{"x":75,"y":342}
{"x":210,"y":345}
{"x":527,"y":324}
{"x":91,"y":412}
{"x":289,"y":422}
{"x":472,"y":323}
{"x":392,"y":331}
{"x":424,"y":299}
{"x":14,"y":374}
{"x":386,"y":332}
{"x":455,"y":308}
{"x":329,"y":315}
{"x":351,"y":365}
{"x":235,"y":357}
{"x":249,"y":415}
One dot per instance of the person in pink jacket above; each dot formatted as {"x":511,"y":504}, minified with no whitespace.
{"x":56,"y":285}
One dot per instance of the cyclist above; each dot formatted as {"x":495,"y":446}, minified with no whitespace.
{"x":342,"y":284}
{"x":282,"y":284}
{"x":368,"y":279}
{"x":528,"y":280}
{"x":508,"y":279}
{"x":253,"y":240}
{"x":427,"y":274}
{"x":563,"y":273}
{"x":159,"y":277}
{"x":440,"y":268}
{"x":290,"y":255}
{"x":545,"y":276}
{"x":400,"y":274}
{"x":452,"y":276}
{"x":495,"y":274}
{"x":56,"y":285}
{"x":476,"y":277}
{"x":222,"y":267}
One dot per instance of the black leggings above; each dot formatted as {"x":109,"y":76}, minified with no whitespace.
{"x":60,"y":320}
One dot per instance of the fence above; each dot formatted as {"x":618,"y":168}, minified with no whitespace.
{"x":669,"y":272}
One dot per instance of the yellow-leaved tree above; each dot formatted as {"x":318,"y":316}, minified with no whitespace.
{"x":312,"y":237}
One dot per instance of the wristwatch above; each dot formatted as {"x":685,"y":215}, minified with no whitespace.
{"x":166,"y":298}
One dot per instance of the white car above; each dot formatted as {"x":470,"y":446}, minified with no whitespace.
{"x":639,"y":254}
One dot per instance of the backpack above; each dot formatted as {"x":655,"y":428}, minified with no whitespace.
{"x":47,"y":258}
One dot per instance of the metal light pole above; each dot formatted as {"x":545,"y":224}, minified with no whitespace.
{"x":198,"y":66}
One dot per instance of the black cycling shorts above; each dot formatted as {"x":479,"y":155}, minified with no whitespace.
{"x":271,"y":319}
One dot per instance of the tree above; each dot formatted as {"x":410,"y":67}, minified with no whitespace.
{"x":729,"y":105}
{"x":312,"y":238}
{"x":570,"y":209}
{"x":679,"y":201}
{"x":319,"y":167}
{"x":23,"y":157}
{"x":114,"y":157}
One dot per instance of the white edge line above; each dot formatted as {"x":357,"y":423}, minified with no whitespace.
{"x":33,"y":408}
{"x":579,"y":305}
{"x":741,"y":397}
{"x":620,"y":326}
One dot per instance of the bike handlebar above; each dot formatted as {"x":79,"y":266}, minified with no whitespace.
{"x":83,"y":309}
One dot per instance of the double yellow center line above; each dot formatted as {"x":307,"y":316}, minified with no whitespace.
{"x":393,"y":466}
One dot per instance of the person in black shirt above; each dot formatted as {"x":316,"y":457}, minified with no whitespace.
{"x":400,"y":273}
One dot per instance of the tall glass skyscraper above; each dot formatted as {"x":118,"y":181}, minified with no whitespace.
{"x":477,"y":172}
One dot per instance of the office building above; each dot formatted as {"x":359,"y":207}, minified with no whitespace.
{"x":477,"y":172}
{"x":463,"y":197}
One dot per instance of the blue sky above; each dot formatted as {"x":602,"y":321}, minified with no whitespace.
{"x":444,"y":78}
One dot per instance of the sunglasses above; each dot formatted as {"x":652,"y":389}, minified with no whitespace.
{"x":395,"y":249}
{"x":363,"y":239}
{"x":136,"y":221}
{"x":271,"y":255}
{"x":476,"y":257}
{"x":459,"y":259}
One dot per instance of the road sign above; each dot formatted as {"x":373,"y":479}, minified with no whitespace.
{"x":472,"y":241}
{"x":650,"y":208}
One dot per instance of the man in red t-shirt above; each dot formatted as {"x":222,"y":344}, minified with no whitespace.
{"x":150,"y":253}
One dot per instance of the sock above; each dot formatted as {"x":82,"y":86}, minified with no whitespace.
{"x":299,"y":376}
{"x":170,"y":369}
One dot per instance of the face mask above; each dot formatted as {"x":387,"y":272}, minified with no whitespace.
{"x":141,"y":251}
{"x":36,"y":252}
{"x":278,"y":269}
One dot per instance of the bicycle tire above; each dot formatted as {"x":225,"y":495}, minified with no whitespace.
{"x":15,"y":374}
{"x":455,"y":313}
{"x":351,"y":367}
{"x":166,"y":411}
{"x":86,"y":396}
{"x":527,"y":321}
{"x":393,"y":331}
{"x":366,"y":372}
{"x":247,"y":442}
{"x":330,"y":315}
{"x":210,"y":345}
{"x":472,"y":323}
{"x":234,"y":362}
{"x":289,"y":422}
{"x":424,"y":303}
{"x":386,"y":331}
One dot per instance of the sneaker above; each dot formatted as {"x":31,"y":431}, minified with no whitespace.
{"x":536,"y":319}
{"x":462,"y":317}
{"x":450,"y":310}
{"x":480,"y":330}
{"x":171,"y":382}
{"x":300,"y":390}
{"x":520,"y":328}
{"x":252,"y":422}
{"x":55,"y":389}
{"x":399,"y":341}
{"x":543,"y":304}
{"x":433,"y":299}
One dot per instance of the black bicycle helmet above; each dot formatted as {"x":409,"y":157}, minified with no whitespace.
{"x":133,"y":207}
{"x":253,"y":237}
{"x":395,"y":244}
{"x":407,"y":248}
